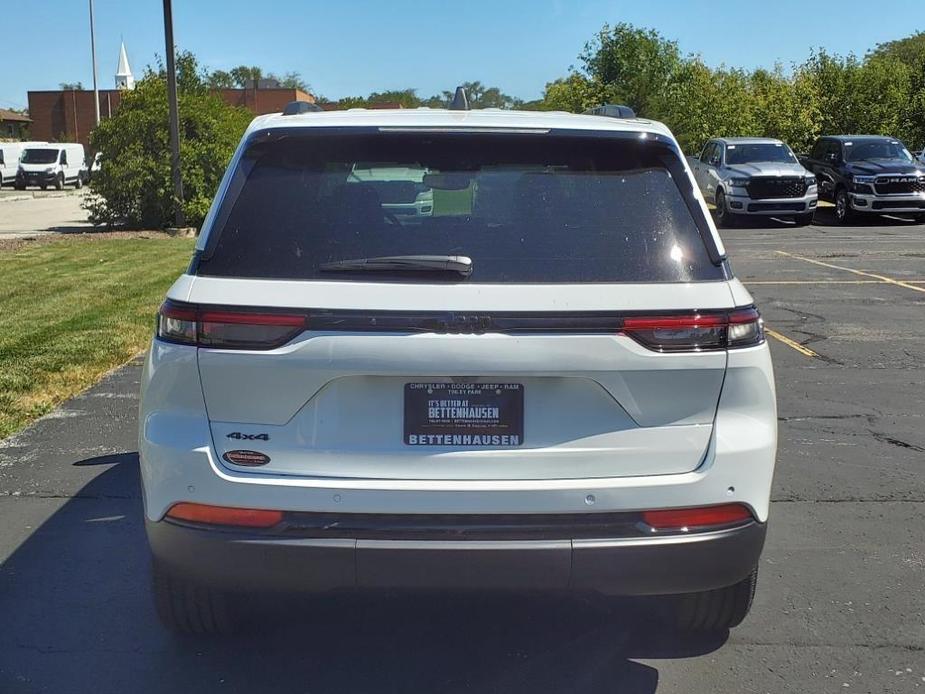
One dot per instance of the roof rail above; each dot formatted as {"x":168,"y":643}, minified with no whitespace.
{"x":296,"y":107}
{"x":611,"y":111}
{"x":460,"y":100}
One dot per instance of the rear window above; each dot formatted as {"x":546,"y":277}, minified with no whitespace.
{"x":524,"y":208}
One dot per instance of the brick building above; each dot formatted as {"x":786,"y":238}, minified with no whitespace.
{"x":69,"y":116}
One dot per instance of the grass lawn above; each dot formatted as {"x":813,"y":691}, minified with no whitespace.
{"x":71,"y":310}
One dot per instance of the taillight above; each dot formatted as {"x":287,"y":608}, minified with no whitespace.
{"x":697,"y":332}
{"x":227,"y":329}
{"x":685,"y":519}
{"x":224,"y":515}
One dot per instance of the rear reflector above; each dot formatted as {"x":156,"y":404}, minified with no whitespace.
{"x":222,"y":515}
{"x":190,"y":325}
{"x":697,"y":332}
{"x":697,"y":518}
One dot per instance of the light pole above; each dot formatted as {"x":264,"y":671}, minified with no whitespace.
{"x":96,"y":93}
{"x":180,"y":218}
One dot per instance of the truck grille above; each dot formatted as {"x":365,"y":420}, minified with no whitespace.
{"x":776,"y":187}
{"x":899,"y":185}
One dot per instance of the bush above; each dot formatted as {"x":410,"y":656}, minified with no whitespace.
{"x":134,"y":187}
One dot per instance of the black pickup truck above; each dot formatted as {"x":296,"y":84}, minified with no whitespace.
{"x":867,"y":174}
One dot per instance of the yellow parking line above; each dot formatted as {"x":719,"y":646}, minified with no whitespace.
{"x":790,"y":343}
{"x":862,"y":273}
{"x":750,"y":282}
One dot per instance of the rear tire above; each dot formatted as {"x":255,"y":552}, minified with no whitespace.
{"x":19,"y":186}
{"x":79,"y":183}
{"x":919,"y":218}
{"x":803,"y":220}
{"x":716,"y":610}
{"x":188,"y":608}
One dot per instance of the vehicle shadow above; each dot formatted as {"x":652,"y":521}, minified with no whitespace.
{"x":825,"y":217}
{"x":76,"y":616}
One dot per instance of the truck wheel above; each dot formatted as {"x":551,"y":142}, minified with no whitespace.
{"x":724,"y":218}
{"x":59,"y":182}
{"x":716,"y":610}
{"x":843,"y":212}
{"x":79,"y":183}
{"x":187,"y":608}
{"x":803,"y":220}
{"x":19,"y":186}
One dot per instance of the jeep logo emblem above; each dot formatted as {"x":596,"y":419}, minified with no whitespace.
{"x":465,"y":323}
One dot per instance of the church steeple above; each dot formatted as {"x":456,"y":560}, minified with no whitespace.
{"x":124,"y":77}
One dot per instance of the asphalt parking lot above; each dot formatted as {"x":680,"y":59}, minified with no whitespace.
{"x":34,"y":212}
{"x":840,"y":606}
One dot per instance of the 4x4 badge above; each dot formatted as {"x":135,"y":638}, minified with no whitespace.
{"x":238,"y":436}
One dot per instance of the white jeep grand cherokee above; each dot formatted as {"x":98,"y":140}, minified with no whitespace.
{"x":551,"y":381}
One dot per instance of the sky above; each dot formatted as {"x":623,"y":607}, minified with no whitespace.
{"x":354,"y":47}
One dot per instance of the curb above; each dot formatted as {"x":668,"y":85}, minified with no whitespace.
{"x":41,"y":196}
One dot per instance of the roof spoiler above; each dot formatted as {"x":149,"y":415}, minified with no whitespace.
{"x":294,"y":108}
{"x":611,"y":111}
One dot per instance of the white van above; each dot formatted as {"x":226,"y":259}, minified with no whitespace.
{"x":55,"y":165}
{"x":9,"y":159}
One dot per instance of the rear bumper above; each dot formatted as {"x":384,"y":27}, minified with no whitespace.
{"x":238,"y":560}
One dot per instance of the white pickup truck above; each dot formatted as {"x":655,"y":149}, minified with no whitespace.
{"x":754,"y":176}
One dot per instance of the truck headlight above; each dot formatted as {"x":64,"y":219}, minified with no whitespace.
{"x":50,"y":169}
{"x":863,"y":184}
{"x":739,"y":182}
{"x":810,"y":181}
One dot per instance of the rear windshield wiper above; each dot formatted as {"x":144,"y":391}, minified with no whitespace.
{"x":406,"y":263}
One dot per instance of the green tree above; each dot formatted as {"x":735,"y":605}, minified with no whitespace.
{"x":243,"y":75}
{"x":633,"y":65}
{"x":293,"y":80}
{"x":220,"y":79}
{"x":68,"y":86}
{"x":910,"y":50}
{"x":408,"y":98}
{"x":784,"y":107}
{"x":133,"y":187}
{"x":575,"y":93}
{"x":479,"y":95}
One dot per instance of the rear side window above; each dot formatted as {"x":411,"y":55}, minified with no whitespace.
{"x":532,"y":208}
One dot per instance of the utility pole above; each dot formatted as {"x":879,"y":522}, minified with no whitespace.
{"x":96,"y":93}
{"x":180,"y":218}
